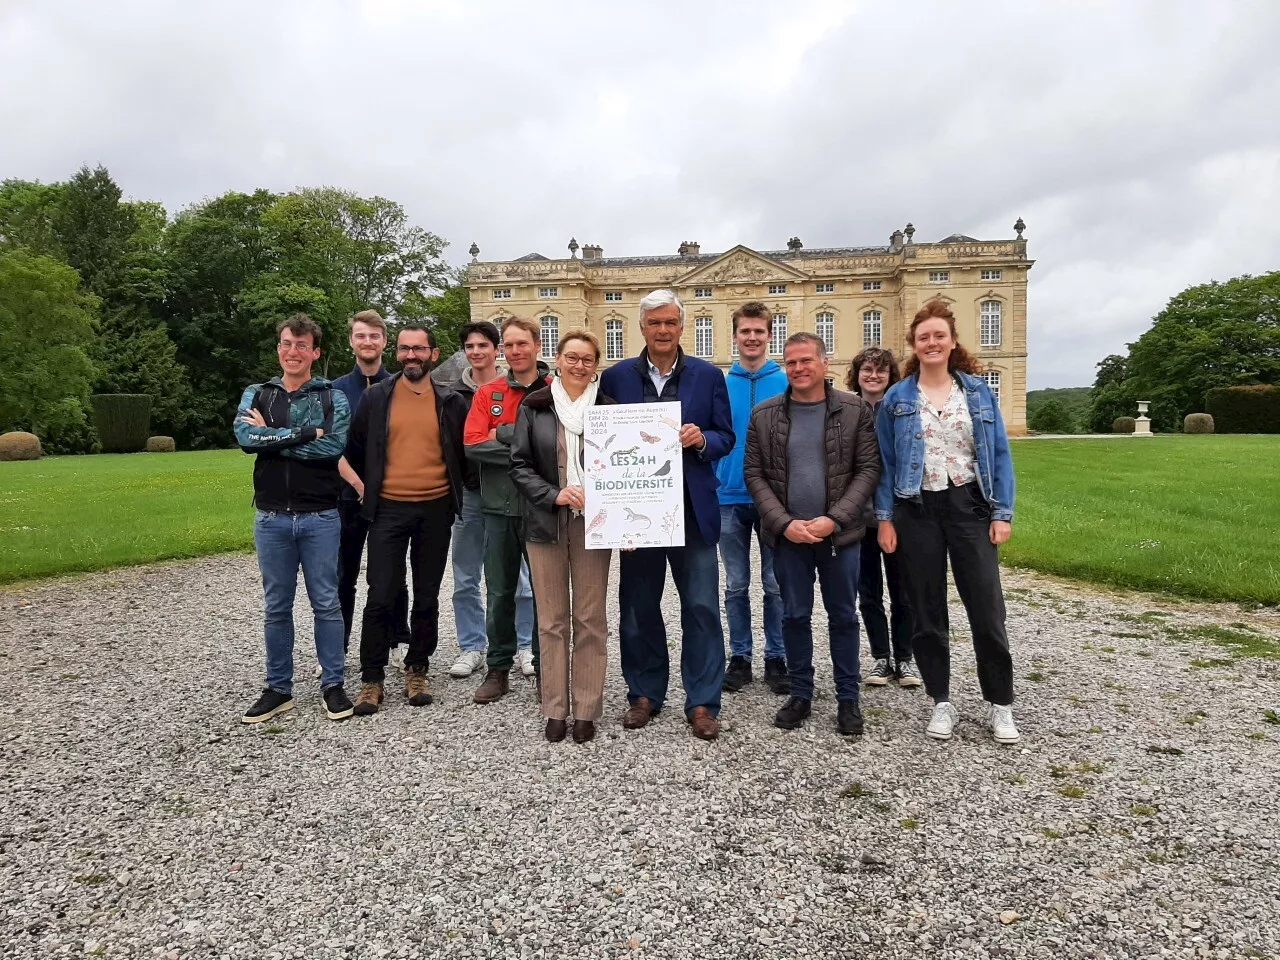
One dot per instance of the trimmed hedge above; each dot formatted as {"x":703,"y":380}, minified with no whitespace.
{"x":1123,"y":425}
{"x":19,"y":446}
{"x":160,"y":445}
{"x":1197,"y":423}
{"x":1253,"y":409}
{"x":123,"y":421}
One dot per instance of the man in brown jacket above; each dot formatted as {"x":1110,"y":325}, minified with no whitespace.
{"x":812,"y":464}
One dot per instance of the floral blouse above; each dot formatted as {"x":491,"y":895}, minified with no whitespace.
{"x":948,"y":441}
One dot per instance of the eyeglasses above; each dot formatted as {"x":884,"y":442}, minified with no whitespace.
{"x":418,"y":349}
{"x":300,"y":346}
{"x":572,"y":360}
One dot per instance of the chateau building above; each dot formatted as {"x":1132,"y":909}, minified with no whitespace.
{"x":852,"y":297}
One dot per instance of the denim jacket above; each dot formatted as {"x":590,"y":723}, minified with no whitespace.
{"x":902,"y":446}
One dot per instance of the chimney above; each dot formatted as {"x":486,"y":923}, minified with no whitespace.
{"x":794,"y":244}
{"x":688,"y":249}
{"x":592,"y":252}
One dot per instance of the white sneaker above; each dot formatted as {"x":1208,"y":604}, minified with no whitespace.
{"x":468,"y":662}
{"x":1001,"y":721}
{"x":397,"y":655}
{"x":942,"y":722}
{"x":524,"y":660}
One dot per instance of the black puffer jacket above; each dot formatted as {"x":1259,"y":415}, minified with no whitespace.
{"x":535,"y":464}
{"x":852,"y":455}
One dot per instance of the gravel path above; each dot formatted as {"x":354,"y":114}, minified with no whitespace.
{"x":139,"y":818}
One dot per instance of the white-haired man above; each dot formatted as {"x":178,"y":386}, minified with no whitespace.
{"x":662,"y":372}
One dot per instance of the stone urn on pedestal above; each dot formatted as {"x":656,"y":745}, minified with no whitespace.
{"x":1142,"y":423}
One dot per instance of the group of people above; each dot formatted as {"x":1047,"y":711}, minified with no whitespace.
{"x":882,"y":483}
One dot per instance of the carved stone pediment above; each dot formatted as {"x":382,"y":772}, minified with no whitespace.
{"x":742,"y":265}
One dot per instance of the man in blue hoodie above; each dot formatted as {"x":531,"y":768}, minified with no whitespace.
{"x":752,"y":379}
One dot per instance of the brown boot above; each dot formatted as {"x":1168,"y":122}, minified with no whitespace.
{"x":495,"y":686}
{"x":705,"y":726}
{"x":556,"y":730}
{"x":638,"y":714}
{"x":583,"y":730}
{"x":415,"y":687}
{"x":369,"y":700}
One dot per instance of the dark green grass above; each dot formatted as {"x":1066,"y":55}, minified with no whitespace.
{"x":70,"y":514}
{"x":1194,"y":516}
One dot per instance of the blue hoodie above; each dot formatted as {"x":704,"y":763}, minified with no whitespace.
{"x":745,"y":391}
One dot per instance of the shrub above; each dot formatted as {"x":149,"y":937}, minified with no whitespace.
{"x":1253,"y":409}
{"x":19,"y":446}
{"x":160,"y":445}
{"x":1197,"y":423}
{"x":123,"y":421}
{"x":69,"y":429}
{"x":1123,"y":425}
{"x":1052,"y":416}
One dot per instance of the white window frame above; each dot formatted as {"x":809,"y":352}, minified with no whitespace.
{"x":613,"y":296}
{"x":547,"y":293}
{"x":502,"y":293}
{"x":824,"y":288}
{"x":777,"y":289}
{"x":702,"y":293}
{"x":614,"y":345}
{"x":547,"y":345}
{"x":778,"y":338}
{"x":704,"y":337}
{"x":872,"y":323}
{"x":939,"y":276}
{"x":993,"y":383}
{"x":824,"y":325}
{"x":990,"y":274}
{"x":990,"y":323}
{"x":870,"y":285}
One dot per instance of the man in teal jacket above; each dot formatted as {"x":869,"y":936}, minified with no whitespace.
{"x":752,"y":379}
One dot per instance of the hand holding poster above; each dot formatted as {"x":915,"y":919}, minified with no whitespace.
{"x":635,"y":476}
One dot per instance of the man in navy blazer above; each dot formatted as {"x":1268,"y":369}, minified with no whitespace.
{"x":662,"y":372}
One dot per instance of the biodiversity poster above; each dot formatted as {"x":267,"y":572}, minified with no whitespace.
{"x":634,"y":476}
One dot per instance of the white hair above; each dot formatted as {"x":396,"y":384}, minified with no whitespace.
{"x":660,"y":298}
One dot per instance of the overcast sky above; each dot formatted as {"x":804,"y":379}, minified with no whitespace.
{"x":1139,"y":141}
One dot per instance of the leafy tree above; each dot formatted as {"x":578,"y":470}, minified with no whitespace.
{"x":1052,"y":416}
{"x":46,"y":333}
{"x":1210,"y":335}
{"x":445,"y":312}
{"x":26,"y":215}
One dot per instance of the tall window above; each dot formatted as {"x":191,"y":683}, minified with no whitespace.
{"x":613,"y":340}
{"x":989,"y":314}
{"x":824,"y":288}
{"x":777,"y":288}
{"x":613,"y":296}
{"x":870,"y":284}
{"x":939,"y":276}
{"x":548,"y":291}
{"x":502,"y":294}
{"x":704,"y":338}
{"x":826,"y":329}
{"x":779,"y":336}
{"x":702,"y":293}
{"x":872,"y":328}
{"x":550,"y":336}
{"x":990,"y":274}
{"x":993,"y":381}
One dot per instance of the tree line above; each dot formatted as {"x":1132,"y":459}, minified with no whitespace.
{"x":99,"y":294}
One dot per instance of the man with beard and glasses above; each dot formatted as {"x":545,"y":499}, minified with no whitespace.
{"x":406,"y":447}
{"x":368,"y":341}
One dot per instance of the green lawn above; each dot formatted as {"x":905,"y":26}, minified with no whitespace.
{"x":1196,"y":516}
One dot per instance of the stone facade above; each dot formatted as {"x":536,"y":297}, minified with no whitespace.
{"x":851,"y":296}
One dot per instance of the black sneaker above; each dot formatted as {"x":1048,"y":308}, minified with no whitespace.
{"x":849,"y":718}
{"x":267,"y":706}
{"x":793,"y":713}
{"x":337,"y":705}
{"x":738,"y":674}
{"x":777,"y":677}
{"x":881,"y":674}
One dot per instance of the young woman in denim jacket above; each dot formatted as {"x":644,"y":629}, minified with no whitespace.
{"x":946,"y":491}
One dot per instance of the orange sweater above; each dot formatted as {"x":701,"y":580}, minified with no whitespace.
{"x":415,"y":469}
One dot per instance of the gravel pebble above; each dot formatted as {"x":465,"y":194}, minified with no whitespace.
{"x":140,"y":818}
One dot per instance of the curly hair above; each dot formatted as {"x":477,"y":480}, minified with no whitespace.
{"x":879,"y":358}
{"x":960,"y":358}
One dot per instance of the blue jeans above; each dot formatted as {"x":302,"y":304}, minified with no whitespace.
{"x":837,"y":570}
{"x":284,"y":542}
{"x":737,"y":523}
{"x":468,"y":565}
{"x":643,"y":635}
